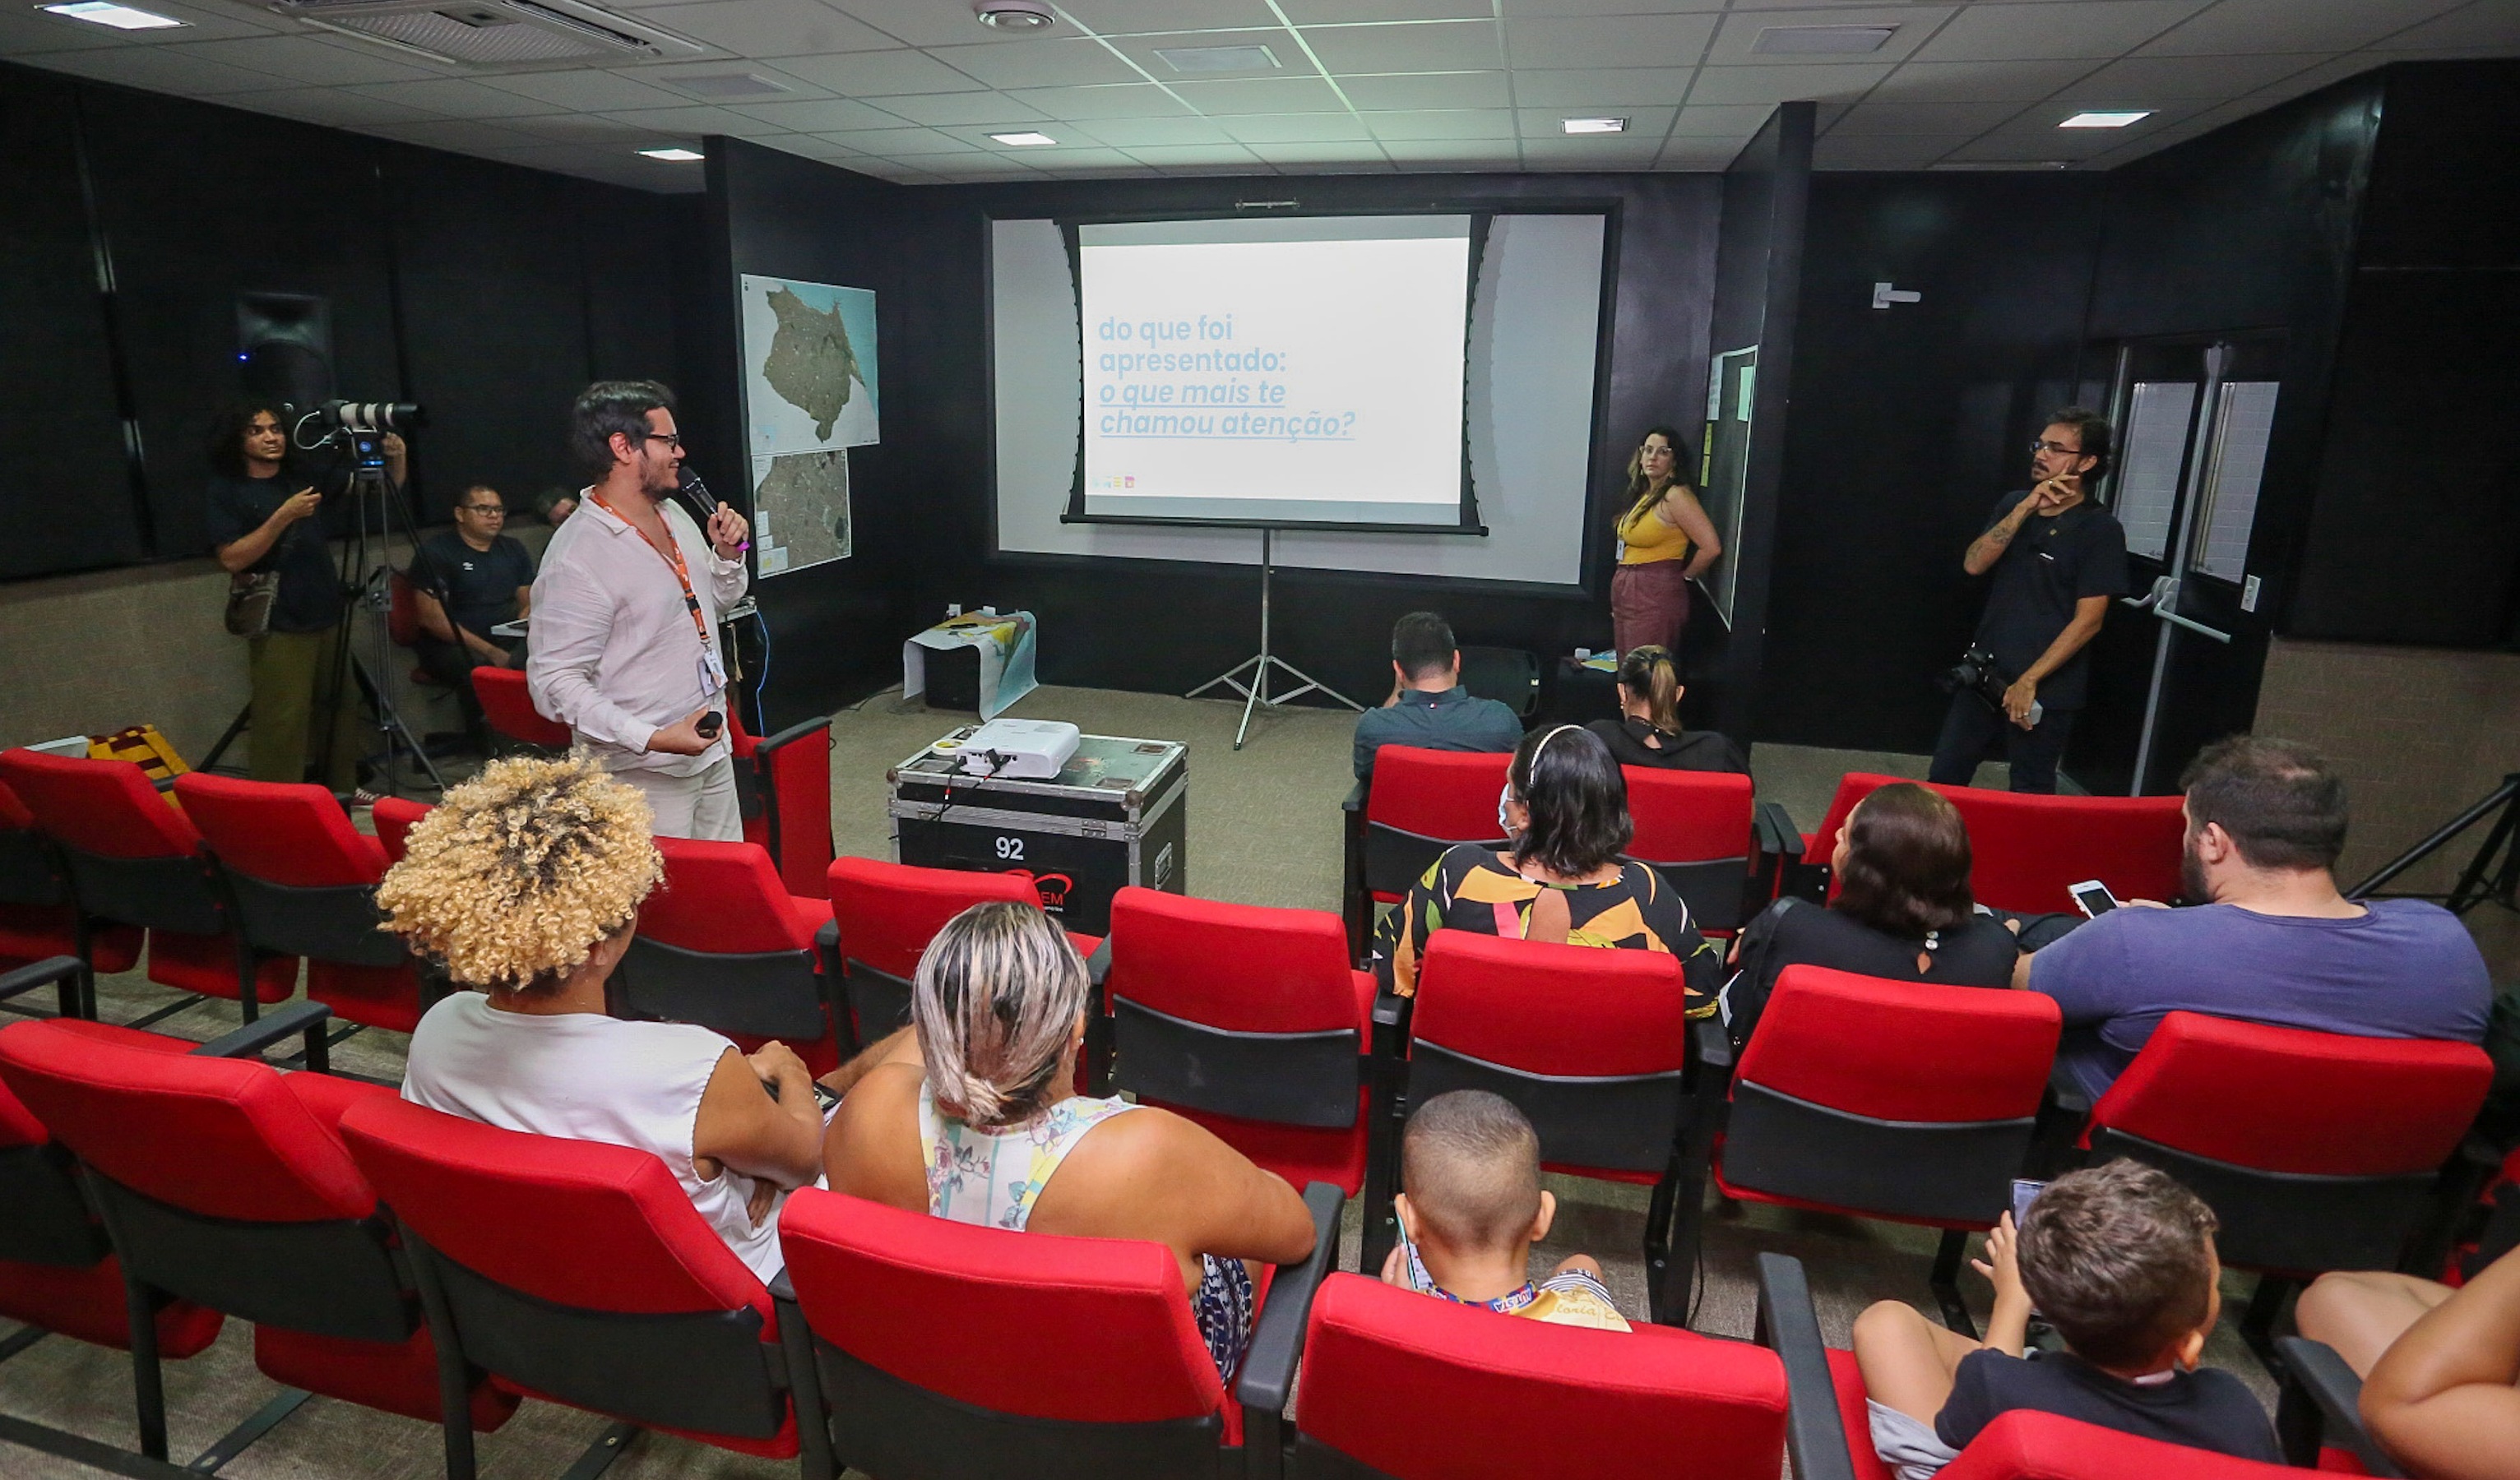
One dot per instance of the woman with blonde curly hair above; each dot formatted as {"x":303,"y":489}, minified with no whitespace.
{"x":527,"y":883}
{"x":972,"y":1115}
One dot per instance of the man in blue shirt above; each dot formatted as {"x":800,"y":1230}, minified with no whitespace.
{"x":1429,"y":708}
{"x":2276,"y":944}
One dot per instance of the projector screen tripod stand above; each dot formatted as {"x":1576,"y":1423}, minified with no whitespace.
{"x":1257,"y":692}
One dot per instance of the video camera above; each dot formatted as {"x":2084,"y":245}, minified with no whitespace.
{"x":360,"y":428}
{"x":1978,"y":672}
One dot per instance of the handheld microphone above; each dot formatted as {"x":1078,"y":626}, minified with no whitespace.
{"x":696,"y":496}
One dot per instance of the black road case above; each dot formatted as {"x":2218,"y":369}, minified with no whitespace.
{"x":1115,"y":815}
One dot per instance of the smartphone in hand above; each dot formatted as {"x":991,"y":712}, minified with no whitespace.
{"x":2092,"y":898}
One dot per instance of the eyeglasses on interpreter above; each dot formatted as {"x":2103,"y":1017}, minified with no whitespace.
{"x":2058,"y":448}
{"x":673,"y":440}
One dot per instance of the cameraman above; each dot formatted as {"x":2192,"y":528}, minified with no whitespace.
{"x":264,"y":514}
{"x":2058,"y":559}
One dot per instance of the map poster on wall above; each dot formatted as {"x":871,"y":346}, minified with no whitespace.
{"x":810,"y":391}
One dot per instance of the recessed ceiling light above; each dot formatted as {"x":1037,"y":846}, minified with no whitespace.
{"x":1594,"y":125}
{"x":1023,"y":141}
{"x":674,"y":153}
{"x":1218,"y":58}
{"x":1820,"y":41}
{"x":2107,"y":118}
{"x":121,"y":18}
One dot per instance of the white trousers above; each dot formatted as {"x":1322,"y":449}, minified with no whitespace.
{"x":701,"y":805}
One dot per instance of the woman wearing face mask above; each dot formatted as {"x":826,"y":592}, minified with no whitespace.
{"x":1561,"y":878}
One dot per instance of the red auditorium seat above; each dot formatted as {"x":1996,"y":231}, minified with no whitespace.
{"x":303,"y":882}
{"x":511,"y":710}
{"x":224,"y":1186}
{"x":36,"y":919}
{"x":57,"y":1273}
{"x":394,"y":818}
{"x":914,"y":1318}
{"x":1249,"y":1021}
{"x":1830,"y":1438}
{"x":135,"y":860}
{"x":723,"y":944}
{"x":1408,"y":1387}
{"x":787,"y":808}
{"x":580,"y":1273}
{"x":1420,"y":804}
{"x":1591,"y":1045}
{"x":1902,"y":1100}
{"x":885,"y":916}
{"x":1693,"y":827}
{"x":2316,"y":1150}
{"x":2027,"y":849}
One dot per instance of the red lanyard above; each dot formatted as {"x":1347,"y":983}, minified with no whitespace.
{"x":672,"y":557}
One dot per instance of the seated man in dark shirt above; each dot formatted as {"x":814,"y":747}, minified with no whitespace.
{"x":2120,"y":1260}
{"x":2273,"y":942}
{"x":1429,"y":708}
{"x":464,"y":584}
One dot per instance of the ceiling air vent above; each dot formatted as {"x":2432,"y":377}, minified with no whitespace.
{"x":493,"y":35}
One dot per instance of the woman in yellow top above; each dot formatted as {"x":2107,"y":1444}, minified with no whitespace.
{"x":1665,"y":538}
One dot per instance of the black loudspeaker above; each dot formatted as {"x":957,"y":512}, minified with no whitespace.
{"x":285,"y":348}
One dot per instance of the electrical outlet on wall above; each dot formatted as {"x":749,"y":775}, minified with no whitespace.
{"x":2249,"y":594}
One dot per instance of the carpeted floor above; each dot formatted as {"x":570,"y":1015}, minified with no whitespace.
{"x":1264,"y":828}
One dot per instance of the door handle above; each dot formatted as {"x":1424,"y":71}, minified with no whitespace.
{"x":2199,"y":628}
{"x":2162,"y":600}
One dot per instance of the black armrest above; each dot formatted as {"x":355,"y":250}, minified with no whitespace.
{"x":793,"y":732}
{"x":1714,"y":1044}
{"x":290,"y":1017}
{"x":827,"y":947}
{"x":1774,"y":828}
{"x":162,"y":782}
{"x":2320,"y":1403}
{"x":43,"y":973}
{"x":1097,"y":966}
{"x":1277,"y":1340}
{"x":2068,"y":1096}
{"x":1814,"y":1436}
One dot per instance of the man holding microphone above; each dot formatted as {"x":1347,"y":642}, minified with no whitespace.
{"x":2058,"y":559}
{"x":625,"y":615}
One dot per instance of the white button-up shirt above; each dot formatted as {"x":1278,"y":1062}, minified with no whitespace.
{"x":612,"y":653}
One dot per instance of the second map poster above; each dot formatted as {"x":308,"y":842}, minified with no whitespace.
{"x":809,"y":363}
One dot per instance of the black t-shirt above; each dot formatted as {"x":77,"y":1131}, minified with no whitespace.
{"x":1695,"y":750}
{"x":2050,"y":565}
{"x":310,"y":588}
{"x":2205,"y":1409}
{"x":479,"y":587}
{"x":1794,"y":933}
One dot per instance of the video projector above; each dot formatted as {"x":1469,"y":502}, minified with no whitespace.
{"x":1012,"y":749}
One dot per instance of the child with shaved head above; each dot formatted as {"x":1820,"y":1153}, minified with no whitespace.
{"x":1472,"y":1207}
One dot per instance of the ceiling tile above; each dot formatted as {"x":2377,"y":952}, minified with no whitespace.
{"x":1316,"y":158}
{"x":879,"y":75}
{"x":463,"y":135}
{"x":1610,"y":40}
{"x":1428,"y":90}
{"x":962,"y":107}
{"x":819,"y":115}
{"x":2309,"y":79}
{"x":1133,"y":18}
{"x":1280,"y":42}
{"x":306,"y":61}
{"x":2139,"y":80}
{"x":588,"y":91}
{"x":1784,"y":84}
{"x":160,"y":71}
{"x":922,"y":22}
{"x":1327,"y":12}
{"x":1549,"y":124}
{"x":1142,"y":100}
{"x":1452,"y":45}
{"x":455,"y":98}
{"x":1888,"y":121}
{"x":897,"y":143}
{"x":1723,"y":120}
{"x":2239,"y":28}
{"x":1605,"y":154}
{"x":1045,"y":158}
{"x":318,"y":105}
{"x":1194,"y":154}
{"x":1261,"y":95}
{"x":1700,"y":152}
{"x":1129,"y":133}
{"x":2482,"y":26}
{"x":1072,"y":61}
{"x":1294,"y":128}
{"x":1902,"y":151}
{"x":814,"y":148}
{"x":1454,"y":124}
{"x":693,"y":122}
{"x":1547,"y":87}
{"x":1524,"y":10}
{"x":1910,"y":26}
{"x":1979,"y":81}
{"x":770,"y":27}
{"x":1990,"y":32}
{"x":584,"y":129}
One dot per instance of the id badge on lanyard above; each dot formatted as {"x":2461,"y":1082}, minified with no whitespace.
{"x":712,"y":671}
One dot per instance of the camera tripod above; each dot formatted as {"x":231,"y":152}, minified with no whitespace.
{"x":2493,"y":874}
